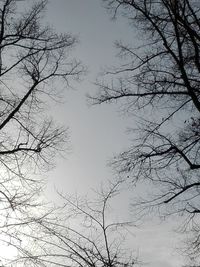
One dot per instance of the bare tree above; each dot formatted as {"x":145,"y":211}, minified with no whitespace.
{"x":86,"y":234}
{"x":158,"y":82}
{"x":33,"y":59}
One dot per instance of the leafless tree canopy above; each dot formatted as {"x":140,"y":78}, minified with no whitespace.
{"x":33,"y":58}
{"x":85,"y":235}
{"x":158,"y":81}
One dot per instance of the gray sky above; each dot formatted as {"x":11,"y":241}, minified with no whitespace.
{"x":97,"y":133}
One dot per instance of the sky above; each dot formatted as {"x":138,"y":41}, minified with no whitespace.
{"x":99,"y":132}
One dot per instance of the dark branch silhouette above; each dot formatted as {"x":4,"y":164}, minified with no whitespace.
{"x":35,"y":62}
{"x":158,"y":83}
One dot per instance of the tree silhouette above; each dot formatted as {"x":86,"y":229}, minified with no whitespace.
{"x":85,"y":235}
{"x":33,"y":59}
{"x":158,"y":82}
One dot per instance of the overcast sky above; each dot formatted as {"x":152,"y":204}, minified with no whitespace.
{"x":97,"y":133}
